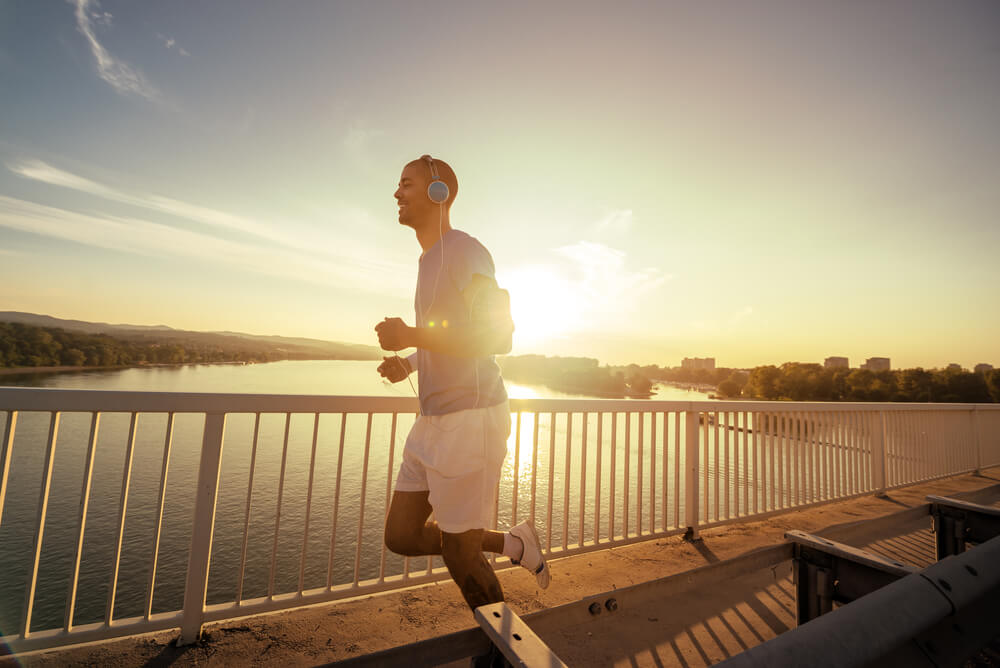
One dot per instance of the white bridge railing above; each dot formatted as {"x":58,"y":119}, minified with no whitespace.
{"x":127,"y":512}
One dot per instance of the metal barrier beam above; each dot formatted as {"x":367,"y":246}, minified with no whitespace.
{"x":514,"y":638}
{"x":936,"y":617}
{"x":826,"y":571}
{"x":959,"y":522}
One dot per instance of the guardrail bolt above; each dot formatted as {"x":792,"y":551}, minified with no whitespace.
{"x":595,"y":608}
{"x":611,"y":604}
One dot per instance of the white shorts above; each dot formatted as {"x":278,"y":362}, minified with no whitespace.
{"x":457,"y":457}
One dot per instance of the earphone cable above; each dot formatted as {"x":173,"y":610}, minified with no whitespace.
{"x":424,"y":312}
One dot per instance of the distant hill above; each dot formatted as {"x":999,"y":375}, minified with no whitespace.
{"x":77,"y":325}
{"x":298,"y":343}
{"x":296,"y":348}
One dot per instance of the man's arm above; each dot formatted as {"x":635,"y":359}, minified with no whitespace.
{"x":489,"y":331}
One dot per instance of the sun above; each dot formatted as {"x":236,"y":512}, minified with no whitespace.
{"x":545,"y":306}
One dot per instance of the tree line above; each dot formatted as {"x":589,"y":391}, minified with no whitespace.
{"x":795,"y":381}
{"x":574,"y":375}
{"x":30,"y":346}
{"x":792,"y":381}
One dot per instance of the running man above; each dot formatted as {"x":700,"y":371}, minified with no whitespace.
{"x":455,"y":450}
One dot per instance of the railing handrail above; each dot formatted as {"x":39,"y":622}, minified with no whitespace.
{"x":72,"y":400}
{"x":801,"y":454}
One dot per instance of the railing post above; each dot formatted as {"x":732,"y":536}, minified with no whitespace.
{"x":974,"y":416}
{"x":878,"y":456}
{"x":691,"y":474}
{"x":6,"y":449}
{"x":204,"y":522}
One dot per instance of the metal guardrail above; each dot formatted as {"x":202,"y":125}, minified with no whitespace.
{"x":827,"y":572}
{"x":959,"y":522}
{"x":892,"y":614}
{"x":939,"y":616}
{"x":515,"y":639}
{"x":590,"y":473}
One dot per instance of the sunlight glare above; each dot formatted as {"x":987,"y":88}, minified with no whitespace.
{"x":545,"y":306}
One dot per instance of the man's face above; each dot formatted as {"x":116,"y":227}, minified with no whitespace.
{"x":411,"y":195}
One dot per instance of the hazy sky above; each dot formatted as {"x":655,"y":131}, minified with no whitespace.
{"x":759,"y":182}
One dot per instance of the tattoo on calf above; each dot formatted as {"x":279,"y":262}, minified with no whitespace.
{"x":473,"y":592}
{"x":481,"y":585}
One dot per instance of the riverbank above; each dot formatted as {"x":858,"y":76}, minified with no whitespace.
{"x":30,"y":370}
{"x":700,"y":387}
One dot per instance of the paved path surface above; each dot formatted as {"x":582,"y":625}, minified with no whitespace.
{"x":702,"y":627}
{"x":694,"y":630}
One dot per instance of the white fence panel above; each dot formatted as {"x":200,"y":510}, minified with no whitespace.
{"x":126,"y":512}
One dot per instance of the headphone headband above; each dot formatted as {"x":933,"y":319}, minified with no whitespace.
{"x":430,"y":161}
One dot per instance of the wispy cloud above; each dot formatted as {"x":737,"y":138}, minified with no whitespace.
{"x":314,"y":251}
{"x":604,"y":274}
{"x":119,"y":74}
{"x":141,"y":237}
{"x":359,"y":137}
{"x":36,"y":170}
{"x":170,"y":43}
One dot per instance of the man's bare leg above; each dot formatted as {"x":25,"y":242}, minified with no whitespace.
{"x":408,"y":532}
{"x":463,"y":554}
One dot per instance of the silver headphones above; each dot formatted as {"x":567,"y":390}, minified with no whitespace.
{"x":437,"y":191}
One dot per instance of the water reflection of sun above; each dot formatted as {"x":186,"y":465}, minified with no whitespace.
{"x":520,"y":445}
{"x":515,"y":391}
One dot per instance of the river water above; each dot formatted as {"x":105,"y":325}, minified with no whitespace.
{"x":333,"y":518}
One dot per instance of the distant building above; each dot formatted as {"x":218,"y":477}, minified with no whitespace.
{"x":954,"y":367}
{"x":983,"y":368}
{"x":836,"y":363}
{"x":698,"y":363}
{"x":876,"y":364}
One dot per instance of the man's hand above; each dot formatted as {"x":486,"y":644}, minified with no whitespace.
{"x":393,"y":334}
{"x":394,"y":368}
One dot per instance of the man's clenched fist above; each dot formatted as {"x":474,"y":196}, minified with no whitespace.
{"x":393,"y":334}
{"x":394,"y":369}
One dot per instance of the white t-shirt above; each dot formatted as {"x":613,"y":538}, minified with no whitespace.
{"x":448,"y":383}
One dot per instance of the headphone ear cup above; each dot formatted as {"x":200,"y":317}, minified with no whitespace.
{"x":437,"y":191}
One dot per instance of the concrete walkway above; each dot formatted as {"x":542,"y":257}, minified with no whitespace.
{"x":703,"y":626}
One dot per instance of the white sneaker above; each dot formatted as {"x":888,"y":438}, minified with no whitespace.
{"x":531,"y":555}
